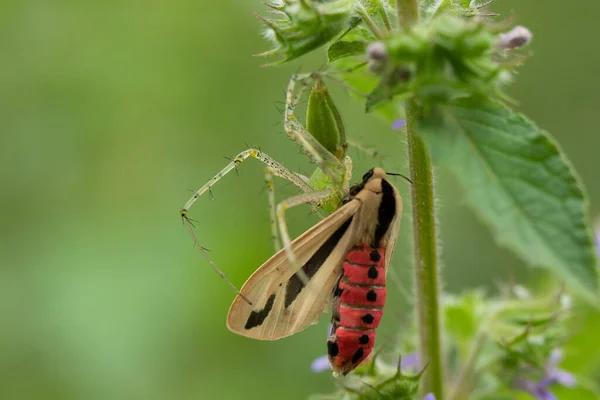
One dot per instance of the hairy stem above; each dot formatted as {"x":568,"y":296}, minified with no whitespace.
{"x":364,"y":15}
{"x":408,"y":12}
{"x":426,"y":266}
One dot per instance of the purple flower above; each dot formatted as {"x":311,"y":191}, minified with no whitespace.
{"x":320,"y":364}
{"x":399,"y":124}
{"x":552,"y":375}
{"x":555,"y":375}
{"x":411,"y":360}
{"x":519,"y":36}
{"x":429,"y":396}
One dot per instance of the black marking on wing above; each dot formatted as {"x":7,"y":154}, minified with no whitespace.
{"x":256,"y":318}
{"x":386,"y":213}
{"x":295,"y":284}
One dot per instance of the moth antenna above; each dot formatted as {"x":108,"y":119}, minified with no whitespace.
{"x":398,"y":174}
{"x":188,"y":225}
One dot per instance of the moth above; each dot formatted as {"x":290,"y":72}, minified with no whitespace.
{"x":342,"y":261}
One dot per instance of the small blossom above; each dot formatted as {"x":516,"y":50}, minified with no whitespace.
{"x":598,"y":239}
{"x":411,"y":360}
{"x":399,"y":124}
{"x":517,"y":37}
{"x":537,"y":390}
{"x":320,"y":364}
{"x":552,"y":375}
{"x":555,"y":375}
{"x":378,"y":55}
{"x":377,"y":51}
{"x":429,"y":396}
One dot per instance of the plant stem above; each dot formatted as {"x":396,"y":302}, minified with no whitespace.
{"x":364,"y":15}
{"x":461,"y":386}
{"x":385,"y":19}
{"x":408,"y":12}
{"x":426,"y":266}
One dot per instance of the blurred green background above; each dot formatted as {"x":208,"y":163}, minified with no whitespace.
{"x":111,"y":111}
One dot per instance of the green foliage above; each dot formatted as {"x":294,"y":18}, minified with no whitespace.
{"x":377,"y":380}
{"x":446,"y":72}
{"x":499,"y":340}
{"x":344,"y":48}
{"x":518,"y":181}
{"x":305,"y":25}
{"x":464,"y":8}
{"x":438,"y":60}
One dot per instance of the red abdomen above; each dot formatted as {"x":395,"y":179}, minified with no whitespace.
{"x":358,"y":302}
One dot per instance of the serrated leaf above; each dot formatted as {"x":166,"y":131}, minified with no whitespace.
{"x":362,"y":84}
{"x":379,"y":95}
{"x":302,"y":26}
{"x":519,"y":182}
{"x":343,"y":48}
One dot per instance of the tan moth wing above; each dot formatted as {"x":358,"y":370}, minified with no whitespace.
{"x":281,"y":302}
{"x":393,"y":231}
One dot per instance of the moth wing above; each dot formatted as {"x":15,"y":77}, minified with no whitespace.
{"x":394,"y":230}
{"x":281,"y":303}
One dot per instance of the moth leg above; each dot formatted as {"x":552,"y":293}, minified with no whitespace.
{"x":303,"y":198}
{"x":326,"y":161}
{"x":275,"y":168}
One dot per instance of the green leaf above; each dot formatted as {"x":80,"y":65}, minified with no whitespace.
{"x":462,"y":319}
{"x":519,"y":182}
{"x":381,"y":94}
{"x":302,"y":26}
{"x":342,"y":49}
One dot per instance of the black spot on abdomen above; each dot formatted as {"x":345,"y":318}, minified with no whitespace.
{"x":371,"y":295}
{"x":373,"y":274}
{"x":375,"y":256}
{"x":332,"y":349}
{"x":358,"y":355}
{"x":368,"y":318}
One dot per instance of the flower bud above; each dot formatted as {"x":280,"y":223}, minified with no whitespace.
{"x":377,"y":51}
{"x":517,"y":37}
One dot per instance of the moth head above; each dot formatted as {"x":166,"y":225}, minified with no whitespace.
{"x":372,"y":180}
{"x":373,"y":173}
